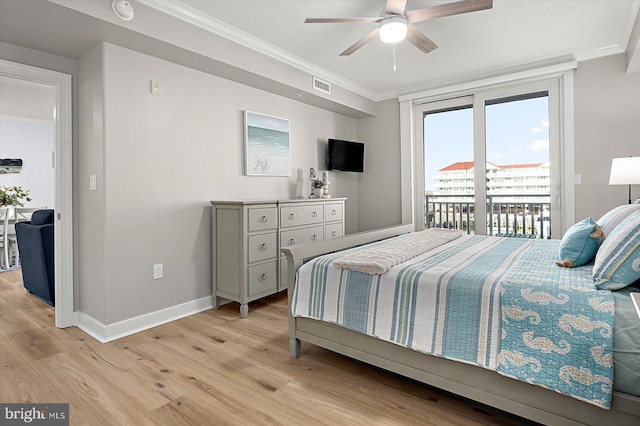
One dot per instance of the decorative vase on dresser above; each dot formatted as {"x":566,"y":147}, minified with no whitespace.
{"x":246,"y":237}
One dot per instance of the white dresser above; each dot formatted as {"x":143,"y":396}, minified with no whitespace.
{"x":246,"y":237}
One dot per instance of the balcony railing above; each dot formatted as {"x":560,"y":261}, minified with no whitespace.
{"x":507,"y":214}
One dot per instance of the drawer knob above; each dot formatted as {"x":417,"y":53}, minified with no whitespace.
{"x":333,"y":212}
{"x":263,"y":277}
{"x":263,"y":247}
{"x":314,"y":237}
{"x":264,"y":219}
{"x":334,"y":233}
{"x":292,"y":242}
{"x":292,"y":216}
{"x":314,"y":214}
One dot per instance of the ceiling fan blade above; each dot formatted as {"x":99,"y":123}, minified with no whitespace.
{"x":420,"y":40}
{"x":340,"y":20}
{"x":448,"y":9}
{"x":396,"y":7}
{"x":358,"y":44}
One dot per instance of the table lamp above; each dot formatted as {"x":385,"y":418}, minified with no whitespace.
{"x":625,"y":171}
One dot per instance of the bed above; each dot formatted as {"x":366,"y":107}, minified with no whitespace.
{"x":493,"y":370}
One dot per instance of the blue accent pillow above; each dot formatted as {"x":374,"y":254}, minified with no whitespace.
{"x":580,"y":244}
{"x":613,"y":217}
{"x":617,"y":263}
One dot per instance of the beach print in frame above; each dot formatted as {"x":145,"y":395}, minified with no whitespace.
{"x":267,"y":145}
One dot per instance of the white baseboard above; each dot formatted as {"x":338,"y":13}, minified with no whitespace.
{"x":106,"y":333}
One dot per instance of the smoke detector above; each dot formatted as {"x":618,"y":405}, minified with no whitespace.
{"x":122,"y":9}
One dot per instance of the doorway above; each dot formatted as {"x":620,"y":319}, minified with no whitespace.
{"x":489,"y":163}
{"x":60,"y":84}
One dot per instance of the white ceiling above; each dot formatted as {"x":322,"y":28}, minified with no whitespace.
{"x":510,"y":35}
{"x":513,"y":35}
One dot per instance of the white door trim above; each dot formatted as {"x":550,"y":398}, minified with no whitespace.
{"x":63,"y":235}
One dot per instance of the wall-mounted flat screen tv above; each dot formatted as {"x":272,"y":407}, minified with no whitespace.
{"x":345,"y":156}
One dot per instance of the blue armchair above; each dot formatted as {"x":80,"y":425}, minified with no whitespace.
{"x":35,"y":245}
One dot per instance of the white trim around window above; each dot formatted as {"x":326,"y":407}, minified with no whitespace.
{"x":559,"y":76}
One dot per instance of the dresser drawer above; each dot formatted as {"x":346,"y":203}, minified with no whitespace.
{"x":333,"y":212}
{"x":301,"y":215}
{"x":333,"y":230}
{"x":261,"y":219}
{"x":302,"y":236}
{"x":262,"y":247}
{"x":263,"y":278}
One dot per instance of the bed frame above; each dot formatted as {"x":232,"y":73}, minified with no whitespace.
{"x":476,"y":383}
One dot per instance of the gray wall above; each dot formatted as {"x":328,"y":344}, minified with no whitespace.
{"x":90,"y":233}
{"x":607,"y":125}
{"x":159,"y":160}
{"x":379,"y":190}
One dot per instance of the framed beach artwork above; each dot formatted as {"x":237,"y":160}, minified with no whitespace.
{"x":10,"y":165}
{"x":267,"y":145}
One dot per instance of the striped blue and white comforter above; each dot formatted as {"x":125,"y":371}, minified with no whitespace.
{"x":498,"y":303}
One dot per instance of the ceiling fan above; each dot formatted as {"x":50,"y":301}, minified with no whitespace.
{"x":396,"y":24}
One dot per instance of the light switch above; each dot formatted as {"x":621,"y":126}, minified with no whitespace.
{"x":92,"y":182}
{"x":158,"y":271}
{"x":577,"y":179}
{"x":155,"y":87}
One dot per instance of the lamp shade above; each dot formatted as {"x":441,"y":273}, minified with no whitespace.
{"x":625,"y":171}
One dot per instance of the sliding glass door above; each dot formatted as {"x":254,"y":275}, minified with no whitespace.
{"x":513,"y":135}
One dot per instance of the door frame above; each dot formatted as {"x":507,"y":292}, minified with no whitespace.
{"x":419,"y":111}
{"x":63,"y":183}
{"x":562,"y":73}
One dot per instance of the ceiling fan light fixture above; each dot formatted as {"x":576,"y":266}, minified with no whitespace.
{"x":393,"y":29}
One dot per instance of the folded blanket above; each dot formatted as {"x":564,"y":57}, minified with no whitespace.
{"x":379,"y":258}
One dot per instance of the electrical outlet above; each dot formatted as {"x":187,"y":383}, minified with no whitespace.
{"x":157,"y":271}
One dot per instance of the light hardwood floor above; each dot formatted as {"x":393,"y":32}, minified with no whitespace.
{"x":212,"y":368}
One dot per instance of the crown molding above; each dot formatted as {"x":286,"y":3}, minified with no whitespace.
{"x":599,"y":52}
{"x":495,"y":77}
{"x":192,"y":16}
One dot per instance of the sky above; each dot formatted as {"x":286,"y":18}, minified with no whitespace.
{"x":267,"y":122}
{"x":517,"y":133}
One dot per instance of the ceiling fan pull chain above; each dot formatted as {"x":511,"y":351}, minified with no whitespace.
{"x":394,"y":56}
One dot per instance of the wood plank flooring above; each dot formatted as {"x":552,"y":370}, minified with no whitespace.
{"x":212,"y":368}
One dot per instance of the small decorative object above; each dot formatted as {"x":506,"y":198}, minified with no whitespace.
{"x":312,"y":173}
{"x":325,"y":188}
{"x":13,"y":196}
{"x":267,"y":145}
{"x":317,"y":188}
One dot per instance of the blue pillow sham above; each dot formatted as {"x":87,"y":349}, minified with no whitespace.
{"x":580,"y":244}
